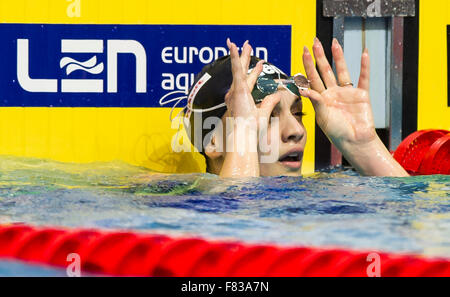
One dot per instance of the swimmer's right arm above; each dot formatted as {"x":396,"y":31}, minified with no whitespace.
{"x":241,"y":152}
{"x":241,"y":157}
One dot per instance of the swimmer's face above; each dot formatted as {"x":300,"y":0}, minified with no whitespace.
{"x":290,"y":137}
{"x":287,"y":143}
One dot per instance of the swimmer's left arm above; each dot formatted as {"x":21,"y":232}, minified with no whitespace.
{"x":344,"y":113}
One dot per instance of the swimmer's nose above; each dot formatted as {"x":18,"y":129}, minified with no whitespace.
{"x":291,"y":130}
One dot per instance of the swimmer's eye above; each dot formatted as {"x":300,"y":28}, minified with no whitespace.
{"x":299,"y":114}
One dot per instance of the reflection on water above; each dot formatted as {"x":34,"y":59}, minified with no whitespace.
{"x":336,"y":208}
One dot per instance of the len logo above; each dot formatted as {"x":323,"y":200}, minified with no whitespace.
{"x":93,"y":46}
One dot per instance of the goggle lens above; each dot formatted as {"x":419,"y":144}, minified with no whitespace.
{"x":266,"y":86}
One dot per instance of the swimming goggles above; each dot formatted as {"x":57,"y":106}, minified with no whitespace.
{"x":266,"y":86}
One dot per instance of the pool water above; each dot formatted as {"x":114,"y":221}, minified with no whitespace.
{"x":16,"y":268}
{"x":337,"y":208}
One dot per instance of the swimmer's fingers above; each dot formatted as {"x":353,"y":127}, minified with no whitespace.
{"x":253,"y":76}
{"x":311,"y":71}
{"x":268,"y":104}
{"x":364,"y":77}
{"x":326,"y":72}
{"x":236,"y":66}
{"x":341,"y":65}
{"x":313,"y":95}
{"x":245,"y":56}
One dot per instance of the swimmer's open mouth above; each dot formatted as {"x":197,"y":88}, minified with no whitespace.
{"x":292,"y":159}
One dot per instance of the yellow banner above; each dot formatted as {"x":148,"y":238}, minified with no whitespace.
{"x":433,"y":108}
{"x":140,"y":136}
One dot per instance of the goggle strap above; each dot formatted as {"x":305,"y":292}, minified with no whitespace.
{"x":208,"y":109}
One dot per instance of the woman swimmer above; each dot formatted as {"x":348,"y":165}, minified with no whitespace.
{"x":264,"y":95}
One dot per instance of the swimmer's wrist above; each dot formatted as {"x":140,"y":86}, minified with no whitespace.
{"x":372,"y":158}
{"x":242,"y":139}
{"x":241,"y":155}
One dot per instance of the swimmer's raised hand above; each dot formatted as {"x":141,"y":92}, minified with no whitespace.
{"x":344,"y":113}
{"x":242,"y":160}
{"x":239,"y":99}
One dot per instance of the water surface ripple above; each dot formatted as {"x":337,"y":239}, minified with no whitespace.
{"x":329,"y":209}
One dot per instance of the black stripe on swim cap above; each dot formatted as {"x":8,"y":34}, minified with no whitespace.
{"x":209,"y":89}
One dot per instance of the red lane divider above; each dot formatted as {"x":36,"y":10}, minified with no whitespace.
{"x":437,"y":159}
{"x":135,"y":254}
{"x":425,"y":152}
